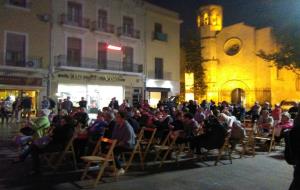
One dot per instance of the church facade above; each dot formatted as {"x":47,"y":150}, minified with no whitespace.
{"x":233,"y":71}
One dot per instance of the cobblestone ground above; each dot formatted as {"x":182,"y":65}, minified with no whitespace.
{"x":263,"y":172}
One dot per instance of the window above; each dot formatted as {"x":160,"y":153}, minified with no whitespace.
{"x":74,"y":52}
{"x":102,"y":55}
{"x":102,"y":19}
{"x":128,"y":25}
{"x":15,"y":49}
{"x":19,"y":3}
{"x":159,"y":68}
{"x":157,"y":28}
{"x":127,"y":58}
{"x":75,"y":13}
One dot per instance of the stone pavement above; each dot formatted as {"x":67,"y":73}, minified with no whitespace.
{"x":263,"y":172}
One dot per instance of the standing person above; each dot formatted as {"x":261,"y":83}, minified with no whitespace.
{"x":125,"y":137}
{"x":114,"y":104}
{"x":67,"y":105}
{"x":255,"y":111}
{"x":45,"y":104}
{"x":17,"y":107}
{"x":5,"y":106}
{"x":294,"y":143}
{"x":26,"y":105}
{"x":82,"y":103}
{"x":59,"y":105}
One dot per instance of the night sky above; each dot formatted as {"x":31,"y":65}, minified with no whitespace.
{"x":257,"y":13}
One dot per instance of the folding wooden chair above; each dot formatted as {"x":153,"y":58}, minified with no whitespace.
{"x":226,"y":147}
{"x":136,"y":150}
{"x":167,"y":146}
{"x":270,"y":139}
{"x":248,"y":142}
{"x":101,"y":159}
{"x":146,"y":142}
{"x":54,"y":159}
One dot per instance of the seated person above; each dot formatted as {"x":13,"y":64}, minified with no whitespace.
{"x":125,"y":137}
{"x":237,"y":133}
{"x":265,"y":123}
{"x":213,"y":136}
{"x":285,"y":123}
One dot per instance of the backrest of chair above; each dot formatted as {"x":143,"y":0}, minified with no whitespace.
{"x":111,"y":143}
{"x":152,"y":132}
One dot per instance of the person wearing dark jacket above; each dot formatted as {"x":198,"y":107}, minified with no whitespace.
{"x":59,"y":139}
{"x":213,"y":137}
{"x":294,"y":136}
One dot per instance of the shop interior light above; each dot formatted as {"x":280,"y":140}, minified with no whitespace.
{"x":112,"y":47}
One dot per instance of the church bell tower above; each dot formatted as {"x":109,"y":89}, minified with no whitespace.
{"x":209,"y":22}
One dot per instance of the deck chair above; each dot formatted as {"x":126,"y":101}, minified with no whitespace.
{"x":136,"y":150}
{"x":166,"y":147}
{"x":54,"y":159}
{"x":226,"y":147}
{"x":101,"y":159}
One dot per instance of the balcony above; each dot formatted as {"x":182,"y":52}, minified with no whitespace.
{"x":101,"y":27}
{"x":17,"y":59}
{"x":93,"y":63}
{"x":68,"y":20}
{"x":160,"y":36}
{"x":131,"y":33}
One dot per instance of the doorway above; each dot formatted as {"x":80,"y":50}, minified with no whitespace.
{"x":237,"y":96}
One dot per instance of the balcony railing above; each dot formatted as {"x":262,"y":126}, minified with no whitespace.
{"x":132,"y":33}
{"x":19,"y":4}
{"x":160,"y":36}
{"x":17,"y":59}
{"x":93,"y":63}
{"x":107,"y":28}
{"x":71,"y":21}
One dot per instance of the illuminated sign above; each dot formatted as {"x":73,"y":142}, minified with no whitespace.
{"x":112,"y":47}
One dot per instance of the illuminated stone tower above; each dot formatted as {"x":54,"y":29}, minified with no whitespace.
{"x":209,"y":21}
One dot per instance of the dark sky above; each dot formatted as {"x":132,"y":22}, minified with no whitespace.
{"x":257,"y":13}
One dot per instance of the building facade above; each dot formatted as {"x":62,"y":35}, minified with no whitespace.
{"x":103,"y":49}
{"x":234,"y":72}
{"x":162,"y":51}
{"x":98,"y":50}
{"x":24,"y":49}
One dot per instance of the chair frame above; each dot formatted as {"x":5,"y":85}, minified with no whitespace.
{"x":99,"y":158}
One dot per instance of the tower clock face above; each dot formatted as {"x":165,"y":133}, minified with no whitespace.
{"x":232,"y":46}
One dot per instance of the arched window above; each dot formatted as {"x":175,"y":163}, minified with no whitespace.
{"x":205,"y":19}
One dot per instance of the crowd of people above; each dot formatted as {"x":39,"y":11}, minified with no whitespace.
{"x":200,"y":126}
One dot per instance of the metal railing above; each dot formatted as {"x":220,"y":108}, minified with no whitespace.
{"x":93,"y":63}
{"x":132,"y":33}
{"x":17,"y":59}
{"x":102,"y":27}
{"x":78,"y":22}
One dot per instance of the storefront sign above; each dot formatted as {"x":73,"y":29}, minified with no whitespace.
{"x":72,"y":76}
{"x":14,"y":80}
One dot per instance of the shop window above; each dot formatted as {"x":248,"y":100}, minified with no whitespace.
{"x":159,"y":72}
{"x":15,"y":49}
{"x":127,"y":58}
{"x":74,"y":52}
{"x":102,"y":19}
{"x":102,"y":55}
{"x":75,"y":13}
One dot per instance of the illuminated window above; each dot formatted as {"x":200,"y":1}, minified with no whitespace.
{"x":214,"y":20}
{"x":298,"y":83}
{"x":205,"y":19}
{"x":198,"y":21}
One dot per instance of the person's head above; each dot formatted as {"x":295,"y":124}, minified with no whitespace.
{"x":68,"y":98}
{"x":100,"y":116}
{"x":62,"y":112}
{"x":285,"y":117}
{"x":82,"y":98}
{"x":109,"y":116}
{"x":179,"y":115}
{"x":121,"y":117}
{"x":44,"y":97}
{"x":188,"y":116}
